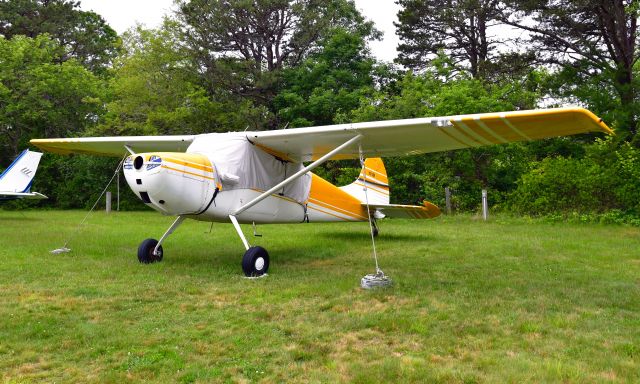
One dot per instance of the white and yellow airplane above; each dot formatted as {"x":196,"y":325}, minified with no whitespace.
{"x":260,"y":177}
{"x":16,"y":180}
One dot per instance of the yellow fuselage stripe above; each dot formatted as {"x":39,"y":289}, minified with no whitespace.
{"x":327,"y":213}
{"x":373,"y":180}
{"x":188,"y":173}
{"x":382,"y":191}
{"x":336,"y":209}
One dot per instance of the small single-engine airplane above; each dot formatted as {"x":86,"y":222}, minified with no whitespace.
{"x":16,"y":180}
{"x":260,"y":177}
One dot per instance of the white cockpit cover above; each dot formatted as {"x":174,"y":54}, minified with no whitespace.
{"x":242,"y":165}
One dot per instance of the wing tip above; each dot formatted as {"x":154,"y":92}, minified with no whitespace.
{"x":598,"y":122}
{"x":48,"y":145}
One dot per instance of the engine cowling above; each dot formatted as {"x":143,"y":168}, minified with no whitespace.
{"x":173,"y":183}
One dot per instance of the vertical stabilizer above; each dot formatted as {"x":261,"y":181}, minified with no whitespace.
{"x":19,"y":175}
{"x":374,"y":176}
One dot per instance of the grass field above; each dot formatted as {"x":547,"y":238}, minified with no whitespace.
{"x":504,"y":301}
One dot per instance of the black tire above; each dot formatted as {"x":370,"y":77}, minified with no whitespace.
{"x":255,"y":262}
{"x":375,"y":228}
{"x":145,"y":252}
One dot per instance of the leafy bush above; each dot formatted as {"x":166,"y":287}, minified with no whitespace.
{"x":605,"y":179}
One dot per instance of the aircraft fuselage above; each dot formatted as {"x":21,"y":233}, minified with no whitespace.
{"x":187,"y":184}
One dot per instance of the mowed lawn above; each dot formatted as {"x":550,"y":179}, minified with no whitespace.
{"x":505,"y":301}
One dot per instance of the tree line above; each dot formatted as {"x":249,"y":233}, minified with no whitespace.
{"x":227,"y":65}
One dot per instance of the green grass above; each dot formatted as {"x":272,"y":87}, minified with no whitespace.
{"x":505,"y":301}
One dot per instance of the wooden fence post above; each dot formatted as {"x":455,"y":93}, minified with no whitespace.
{"x":109,"y":202}
{"x":447,"y":199}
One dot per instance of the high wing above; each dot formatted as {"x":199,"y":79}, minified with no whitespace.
{"x":379,"y":138}
{"x":426,"y":211}
{"x":115,"y":146}
{"x":429,"y":134}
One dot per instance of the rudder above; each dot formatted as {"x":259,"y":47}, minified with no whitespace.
{"x":19,"y":175}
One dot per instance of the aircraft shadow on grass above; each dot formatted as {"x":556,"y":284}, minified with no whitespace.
{"x":383,"y":236}
{"x":13,"y":219}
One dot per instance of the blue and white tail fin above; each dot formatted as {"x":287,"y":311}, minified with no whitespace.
{"x":16,"y":180}
{"x":374,"y":176}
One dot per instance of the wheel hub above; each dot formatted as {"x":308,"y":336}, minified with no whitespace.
{"x":259,"y":264}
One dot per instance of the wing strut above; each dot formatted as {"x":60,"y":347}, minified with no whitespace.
{"x":284,"y":183}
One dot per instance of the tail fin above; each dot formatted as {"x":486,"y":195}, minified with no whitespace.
{"x":19,"y":175}
{"x":374,"y":176}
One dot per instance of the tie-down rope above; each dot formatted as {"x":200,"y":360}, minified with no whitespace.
{"x":379,"y":279}
{"x":64,"y":248}
{"x":366,"y":198}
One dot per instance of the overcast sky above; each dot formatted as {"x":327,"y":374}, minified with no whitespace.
{"x":123,"y":14}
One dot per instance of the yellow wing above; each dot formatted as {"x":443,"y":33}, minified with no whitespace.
{"x":429,"y":134}
{"x":379,"y":138}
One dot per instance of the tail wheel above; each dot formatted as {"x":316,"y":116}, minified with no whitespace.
{"x":255,"y":262}
{"x":145,"y":252}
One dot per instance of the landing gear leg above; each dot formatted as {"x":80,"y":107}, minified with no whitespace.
{"x":255,"y":261}
{"x":150,"y":250}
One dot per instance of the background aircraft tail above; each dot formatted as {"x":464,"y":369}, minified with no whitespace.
{"x":19,"y":175}
{"x":374,"y":176}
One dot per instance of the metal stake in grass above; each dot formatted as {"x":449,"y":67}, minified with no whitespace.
{"x":66,"y":249}
{"x":378,"y":279}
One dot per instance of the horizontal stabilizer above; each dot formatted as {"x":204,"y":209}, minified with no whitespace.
{"x":425,"y":211}
{"x":26,"y":195}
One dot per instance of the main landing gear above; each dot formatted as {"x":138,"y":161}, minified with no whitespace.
{"x":374,"y":227}
{"x":146,"y":254}
{"x":150,"y":250}
{"x":255,"y":261}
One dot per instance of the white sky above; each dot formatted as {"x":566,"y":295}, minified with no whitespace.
{"x":123,"y":14}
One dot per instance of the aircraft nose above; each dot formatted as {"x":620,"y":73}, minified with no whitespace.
{"x":171,"y":182}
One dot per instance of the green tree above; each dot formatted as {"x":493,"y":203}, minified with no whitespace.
{"x":329,"y":84}
{"x":241,"y":46}
{"x":155,"y":90}
{"x":595,"y":43}
{"x":85,"y":36}
{"x":461,"y":30}
{"x":41,"y":97}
